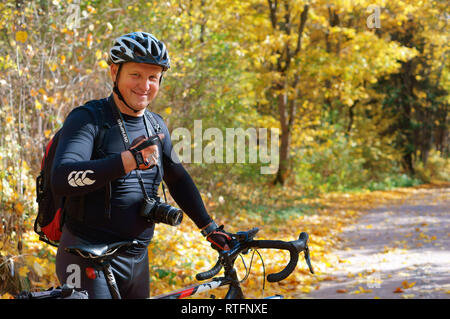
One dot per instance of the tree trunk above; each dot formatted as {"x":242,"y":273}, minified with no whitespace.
{"x":287,"y":107}
{"x":284,"y":167}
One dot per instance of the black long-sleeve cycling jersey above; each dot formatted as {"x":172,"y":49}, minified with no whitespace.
{"x":75,"y":173}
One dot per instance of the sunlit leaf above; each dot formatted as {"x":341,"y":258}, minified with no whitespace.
{"x":21,"y":36}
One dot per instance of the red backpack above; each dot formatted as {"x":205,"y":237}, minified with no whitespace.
{"x":49,"y":220}
{"x":48,"y":223}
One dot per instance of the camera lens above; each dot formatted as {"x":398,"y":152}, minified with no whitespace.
{"x":168,"y":214}
{"x":175,"y":217}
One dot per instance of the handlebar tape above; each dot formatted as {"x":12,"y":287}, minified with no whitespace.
{"x":294,"y":248}
{"x":286,"y":271}
{"x":210,"y":273}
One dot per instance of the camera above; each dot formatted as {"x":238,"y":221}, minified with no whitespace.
{"x":155,"y":211}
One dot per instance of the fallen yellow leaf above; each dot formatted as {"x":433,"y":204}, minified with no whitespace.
{"x":305,"y":289}
{"x":19,"y":208}
{"x":21,"y":36}
{"x":406,"y":284}
{"x":23,"y":271}
{"x":398,"y":290}
{"x":329,"y":278}
{"x":365,"y":291}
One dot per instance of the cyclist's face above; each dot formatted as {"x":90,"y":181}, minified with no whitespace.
{"x":138,"y":83}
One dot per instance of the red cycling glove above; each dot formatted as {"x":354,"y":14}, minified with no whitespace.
{"x":145,"y":151}
{"x":220,"y":240}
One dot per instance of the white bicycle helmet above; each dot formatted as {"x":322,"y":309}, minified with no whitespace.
{"x":140,"y":47}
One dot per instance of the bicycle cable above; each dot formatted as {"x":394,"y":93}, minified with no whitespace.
{"x":264,"y":271}
{"x":250,"y":267}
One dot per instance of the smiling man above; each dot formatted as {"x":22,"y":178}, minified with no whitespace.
{"x":109,"y":173}
{"x":139,"y":85}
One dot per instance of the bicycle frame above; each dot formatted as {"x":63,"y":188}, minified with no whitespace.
{"x":234,"y":291}
{"x":192,"y":290}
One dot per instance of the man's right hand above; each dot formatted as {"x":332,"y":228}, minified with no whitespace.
{"x":140,"y":156}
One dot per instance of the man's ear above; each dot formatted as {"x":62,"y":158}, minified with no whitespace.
{"x":113,"y":71}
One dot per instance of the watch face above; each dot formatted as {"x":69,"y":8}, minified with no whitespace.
{"x":138,"y":157}
{"x":141,"y":158}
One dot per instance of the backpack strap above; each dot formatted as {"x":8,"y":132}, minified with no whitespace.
{"x":97,"y":109}
{"x":153,"y":122}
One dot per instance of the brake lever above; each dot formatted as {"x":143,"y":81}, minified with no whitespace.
{"x":244,"y":236}
{"x":308,"y":259}
{"x":241,"y":238}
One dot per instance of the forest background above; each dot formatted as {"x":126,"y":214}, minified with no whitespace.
{"x":358,"y":91}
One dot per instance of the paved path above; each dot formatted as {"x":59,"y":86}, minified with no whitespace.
{"x":395,"y":251}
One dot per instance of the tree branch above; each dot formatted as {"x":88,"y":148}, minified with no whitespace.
{"x":301,"y":28}
{"x":273,"y":12}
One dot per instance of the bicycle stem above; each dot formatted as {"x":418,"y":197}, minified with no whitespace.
{"x":235,"y":290}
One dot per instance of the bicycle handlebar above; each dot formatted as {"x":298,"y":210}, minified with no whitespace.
{"x":245,"y":242}
{"x":210,"y":273}
{"x":294,"y":247}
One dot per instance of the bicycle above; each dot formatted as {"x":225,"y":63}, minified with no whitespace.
{"x":101,"y":254}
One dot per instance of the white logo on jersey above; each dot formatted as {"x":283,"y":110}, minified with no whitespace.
{"x":76,"y":180}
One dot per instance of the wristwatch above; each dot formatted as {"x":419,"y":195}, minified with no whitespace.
{"x":205,"y":231}
{"x":137,"y":157}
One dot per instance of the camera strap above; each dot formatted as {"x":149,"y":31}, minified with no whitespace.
{"x":155,"y":125}
{"x":126,"y":141}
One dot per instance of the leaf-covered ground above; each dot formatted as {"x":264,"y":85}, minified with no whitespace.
{"x":398,"y":250}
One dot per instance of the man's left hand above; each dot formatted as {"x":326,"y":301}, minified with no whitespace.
{"x":220,"y":240}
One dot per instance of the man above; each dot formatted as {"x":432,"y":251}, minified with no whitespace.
{"x":107,"y":189}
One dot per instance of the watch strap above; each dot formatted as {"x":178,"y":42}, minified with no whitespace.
{"x":212,"y":226}
{"x":137,"y":157}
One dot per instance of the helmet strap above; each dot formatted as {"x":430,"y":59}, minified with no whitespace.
{"x":119,"y":95}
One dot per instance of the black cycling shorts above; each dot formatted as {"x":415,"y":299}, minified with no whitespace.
{"x":130,"y":271}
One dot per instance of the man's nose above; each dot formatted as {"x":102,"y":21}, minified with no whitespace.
{"x":145,"y":85}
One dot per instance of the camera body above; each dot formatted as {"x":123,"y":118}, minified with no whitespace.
{"x":155,"y":211}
